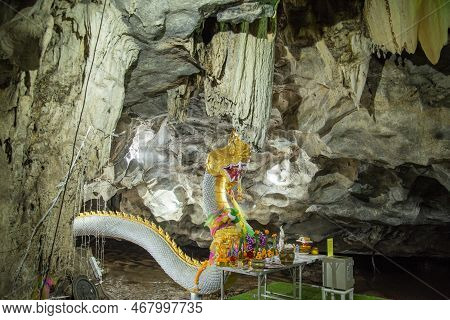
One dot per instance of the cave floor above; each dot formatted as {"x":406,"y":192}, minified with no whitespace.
{"x":133,"y":274}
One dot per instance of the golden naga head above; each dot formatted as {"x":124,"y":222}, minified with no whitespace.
{"x":230,"y":160}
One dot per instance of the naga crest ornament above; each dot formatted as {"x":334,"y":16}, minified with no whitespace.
{"x":230,"y":160}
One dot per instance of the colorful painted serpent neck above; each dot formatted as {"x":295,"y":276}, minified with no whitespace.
{"x":222,"y":181}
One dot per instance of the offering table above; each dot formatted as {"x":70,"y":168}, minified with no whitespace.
{"x":296,"y":269}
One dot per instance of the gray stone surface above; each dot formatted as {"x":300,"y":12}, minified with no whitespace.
{"x":248,"y":11}
{"x":41,"y":99}
{"x":356,"y":148}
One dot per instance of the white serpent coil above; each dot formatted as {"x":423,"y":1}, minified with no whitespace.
{"x":179,"y":270}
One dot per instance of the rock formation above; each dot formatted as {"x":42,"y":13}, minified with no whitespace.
{"x":351,"y":137}
{"x":349,"y":123}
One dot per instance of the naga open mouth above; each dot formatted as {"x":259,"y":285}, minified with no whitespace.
{"x":234,"y":171}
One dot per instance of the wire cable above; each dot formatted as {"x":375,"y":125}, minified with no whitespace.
{"x":49,"y":261}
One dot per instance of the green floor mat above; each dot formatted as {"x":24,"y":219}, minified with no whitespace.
{"x":308,"y":292}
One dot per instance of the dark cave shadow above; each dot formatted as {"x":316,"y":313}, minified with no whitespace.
{"x":419,"y":58}
{"x":212,"y":27}
{"x":374,"y":73}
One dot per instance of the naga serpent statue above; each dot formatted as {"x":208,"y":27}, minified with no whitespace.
{"x":222,"y":182}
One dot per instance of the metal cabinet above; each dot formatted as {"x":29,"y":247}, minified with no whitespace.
{"x":337,"y":273}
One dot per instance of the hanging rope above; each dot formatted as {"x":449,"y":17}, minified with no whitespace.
{"x":77,"y":209}
{"x":52,"y":205}
{"x":49,"y":260}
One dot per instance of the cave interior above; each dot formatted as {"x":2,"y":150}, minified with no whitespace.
{"x":114,"y":105}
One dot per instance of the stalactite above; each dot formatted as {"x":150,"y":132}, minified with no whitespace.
{"x":239,"y":66}
{"x":398,"y":25}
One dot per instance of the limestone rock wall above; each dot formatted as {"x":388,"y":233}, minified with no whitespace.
{"x":46,"y":51}
{"x":383,"y":123}
{"x":357,"y":144}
